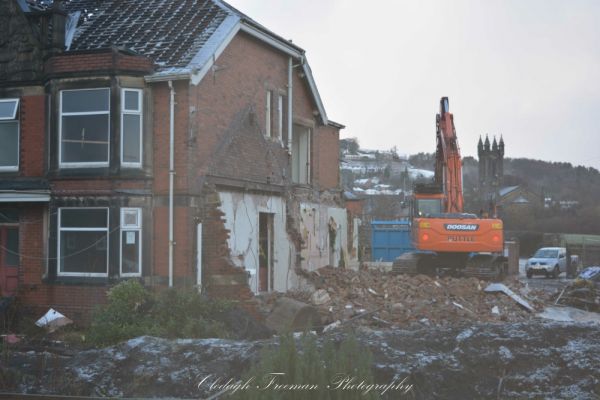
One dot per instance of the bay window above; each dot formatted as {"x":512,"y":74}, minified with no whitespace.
{"x":84,"y":127}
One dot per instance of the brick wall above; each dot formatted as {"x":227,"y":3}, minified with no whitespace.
{"x":32,"y":124}
{"x":108,"y":60}
{"x":161,"y":129}
{"x":230,"y":116}
{"x":328,"y":158}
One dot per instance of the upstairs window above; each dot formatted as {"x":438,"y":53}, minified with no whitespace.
{"x":84,"y":127}
{"x":131,"y":128}
{"x":9,"y":135}
{"x":301,"y":155}
{"x":281,"y":117}
{"x":269,"y":114}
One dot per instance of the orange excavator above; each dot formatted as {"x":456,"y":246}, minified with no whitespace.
{"x":443,"y":235}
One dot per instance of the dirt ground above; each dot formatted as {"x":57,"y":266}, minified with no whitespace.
{"x":467,"y":361}
{"x":444,"y":336}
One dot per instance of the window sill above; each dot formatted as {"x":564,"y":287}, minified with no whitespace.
{"x":77,"y":280}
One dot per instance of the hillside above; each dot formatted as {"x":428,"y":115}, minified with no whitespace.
{"x":572,"y":193}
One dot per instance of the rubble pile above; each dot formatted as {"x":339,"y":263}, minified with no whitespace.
{"x":583,"y":294}
{"x":375,"y":298}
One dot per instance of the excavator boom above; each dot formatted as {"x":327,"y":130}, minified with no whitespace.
{"x":444,"y":236}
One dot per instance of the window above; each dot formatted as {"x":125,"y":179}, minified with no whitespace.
{"x":269,"y":115}
{"x":301,"y":154}
{"x":131,"y":128}
{"x":84,"y":127}
{"x":9,"y":135}
{"x":83,"y":241}
{"x":280,"y":116}
{"x":427,"y":207}
{"x":131,"y":241}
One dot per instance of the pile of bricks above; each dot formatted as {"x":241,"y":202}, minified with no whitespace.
{"x":375,"y":298}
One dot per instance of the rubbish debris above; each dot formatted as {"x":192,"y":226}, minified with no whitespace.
{"x":292,"y":315}
{"x":582,"y":294}
{"x":590,"y":274}
{"x":495,"y":310}
{"x":11,"y":338}
{"x":332,"y":326}
{"x":403,"y":300}
{"x":500,"y":287}
{"x":53,"y":320}
{"x":569,"y":314}
{"x":320,"y":297}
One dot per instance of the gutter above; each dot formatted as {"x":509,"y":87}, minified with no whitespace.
{"x":171,"y":176}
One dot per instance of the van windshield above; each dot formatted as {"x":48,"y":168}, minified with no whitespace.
{"x":546,"y":253}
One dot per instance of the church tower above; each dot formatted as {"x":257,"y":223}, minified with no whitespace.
{"x":491,"y":168}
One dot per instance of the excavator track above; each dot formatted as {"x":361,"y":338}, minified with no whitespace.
{"x":406,"y":264}
{"x":481,"y":266}
{"x":485,"y":266}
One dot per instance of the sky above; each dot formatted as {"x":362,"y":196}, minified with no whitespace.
{"x":525,"y":69}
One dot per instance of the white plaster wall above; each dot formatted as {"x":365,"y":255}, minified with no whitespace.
{"x":314,"y":228}
{"x":242,"y":220}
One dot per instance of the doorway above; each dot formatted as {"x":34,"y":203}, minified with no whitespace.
{"x":265,"y":251}
{"x":9,"y":260}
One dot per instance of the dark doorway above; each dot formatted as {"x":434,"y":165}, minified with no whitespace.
{"x":9,"y":260}
{"x":265,"y":250}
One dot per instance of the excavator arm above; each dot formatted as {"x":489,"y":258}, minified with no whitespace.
{"x":448,"y":164}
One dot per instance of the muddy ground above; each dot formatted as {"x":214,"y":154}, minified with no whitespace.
{"x":440,"y":335}
{"x":531,"y":359}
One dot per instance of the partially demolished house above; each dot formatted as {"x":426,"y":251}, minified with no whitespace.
{"x":175,"y":142}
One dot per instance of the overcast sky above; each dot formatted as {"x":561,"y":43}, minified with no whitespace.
{"x":526,"y":69}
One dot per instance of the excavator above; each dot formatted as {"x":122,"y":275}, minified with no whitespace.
{"x":445,"y":238}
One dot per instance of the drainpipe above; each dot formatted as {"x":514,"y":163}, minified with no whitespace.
{"x":289,"y":98}
{"x":171,"y":176}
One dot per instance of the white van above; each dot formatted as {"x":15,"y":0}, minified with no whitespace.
{"x":549,"y":261}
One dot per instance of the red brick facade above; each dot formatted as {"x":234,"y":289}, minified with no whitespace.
{"x":219,"y":128}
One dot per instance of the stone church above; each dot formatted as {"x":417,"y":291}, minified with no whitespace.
{"x":491,"y":169}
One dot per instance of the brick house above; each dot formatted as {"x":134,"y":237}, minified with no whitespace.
{"x":178,"y":143}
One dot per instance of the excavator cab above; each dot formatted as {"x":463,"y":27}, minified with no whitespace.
{"x":425,"y":207}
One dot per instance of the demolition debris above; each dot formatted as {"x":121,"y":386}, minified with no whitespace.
{"x":378,"y":299}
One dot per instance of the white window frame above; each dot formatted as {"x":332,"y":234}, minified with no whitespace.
{"x":92,"y":164}
{"x":60,"y":229}
{"x":138,"y":112}
{"x":280,"y":117}
{"x":295,"y":149}
{"x":130,"y":228}
{"x":268,"y":109}
{"x":7,"y":168}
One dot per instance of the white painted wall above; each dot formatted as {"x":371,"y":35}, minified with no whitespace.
{"x":241,"y":219}
{"x":315,"y":220}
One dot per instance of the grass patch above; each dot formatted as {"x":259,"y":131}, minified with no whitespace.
{"x":309,"y":371}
